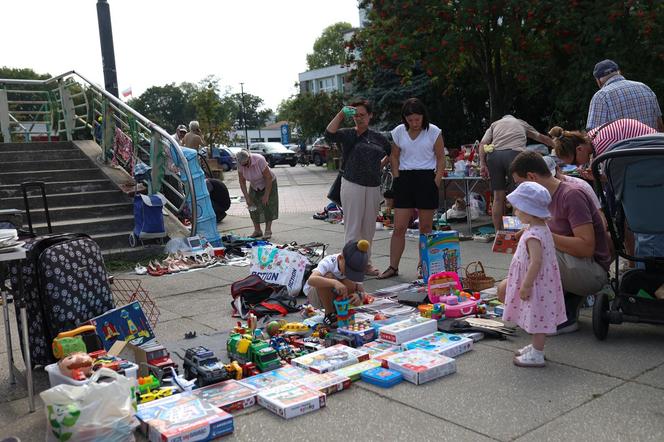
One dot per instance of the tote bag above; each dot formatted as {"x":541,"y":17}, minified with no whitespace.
{"x":279,"y":266}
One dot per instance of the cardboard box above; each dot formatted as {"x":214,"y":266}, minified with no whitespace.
{"x":420,"y":366}
{"x":228,"y":395}
{"x":291,"y":400}
{"x":408,"y":329}
{"x":183,"y":417}
{"x":353,"y":372}
{"x":380,"y":350}
{"x":440,"y":252}
{"x":331,"y":358}
{"x":328,"y":383}
{"x":274,"y":378}
{"x":505,"y":242}
{"x":360,"y":332}
{"x":445,"y":344}
{"x":126,"y":323}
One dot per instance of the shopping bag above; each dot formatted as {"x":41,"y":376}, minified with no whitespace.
{"x":92,"y":412}
{"x":279,"y":266}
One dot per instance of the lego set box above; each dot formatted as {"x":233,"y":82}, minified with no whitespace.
{"x":445,"y":344}
{"x":408,"y":329}
{"x":420,"y":366}
{"x":355,"y":371}
{"x":331,"y":358}
{"x":228,"y":395}
{"x":328,"y":383}
{"x":361,"y":333}
{"x":183,"y":417}
{"x":291,"y":400}
{"x":440,"y":252}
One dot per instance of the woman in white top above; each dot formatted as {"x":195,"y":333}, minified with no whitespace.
{"x":418,"y":163}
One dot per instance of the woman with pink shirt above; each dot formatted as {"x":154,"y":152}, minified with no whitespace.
{"x":262,"y":197}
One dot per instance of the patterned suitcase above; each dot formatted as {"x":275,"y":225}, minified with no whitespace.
{"x":65,"y":284}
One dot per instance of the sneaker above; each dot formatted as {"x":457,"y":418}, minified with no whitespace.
{"x":533,"y":358}
{"x":523,"y":350}
{"x":569,"y":326}
{"x":330,"y":320}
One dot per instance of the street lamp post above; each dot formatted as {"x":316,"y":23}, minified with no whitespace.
{"x":244,"y":116}
{"x":106,"y":43}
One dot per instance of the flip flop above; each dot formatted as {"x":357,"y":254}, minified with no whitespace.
{"x":389,"y":273}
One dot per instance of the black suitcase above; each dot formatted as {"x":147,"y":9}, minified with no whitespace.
{"x":64,"y":284}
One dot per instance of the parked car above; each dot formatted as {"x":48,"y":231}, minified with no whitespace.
{"x":274,"y":153}
{"x":225,"y":157}
{"x":319,"y":151}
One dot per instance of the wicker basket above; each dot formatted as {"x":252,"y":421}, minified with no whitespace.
{"x":477,"y":279}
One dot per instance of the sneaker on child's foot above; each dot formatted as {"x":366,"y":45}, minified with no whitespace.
{"x":330,"y":320}
{"x":523,"y":350}
{"x":569,"y":326}
{"x":532,"y":358}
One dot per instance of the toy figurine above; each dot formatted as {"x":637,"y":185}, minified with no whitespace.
{"x":77,"y":365}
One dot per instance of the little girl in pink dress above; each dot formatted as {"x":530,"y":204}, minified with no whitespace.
{"x":533,"y":291}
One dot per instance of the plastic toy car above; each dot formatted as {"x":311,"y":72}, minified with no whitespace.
{"x":295,"y":328}
{"x":201,"y":363}
{"x":153,"y":395}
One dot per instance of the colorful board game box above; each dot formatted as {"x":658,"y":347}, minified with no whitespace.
{"x":382,"y":377}
{"x":183,"y":417}
{"x":228,"y":395}
{"x":408,"y":329}
{"x":505,"y":242}
{"x":291,"y":400}
{"x":440,"y":252}
{"x":273,"y":378}
{"x":445,"y":344}
{"x":353,"y":372}
{"x":328,"y":383}
{"x":360,"y":332}
{"x":126,"y":323}
{"x":380,"y":350}
{"x":331,"y":358}
{"x":513,"y":223}
{"x":420,"y":366}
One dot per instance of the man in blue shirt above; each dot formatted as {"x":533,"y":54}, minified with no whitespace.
{"x":620,"y":98}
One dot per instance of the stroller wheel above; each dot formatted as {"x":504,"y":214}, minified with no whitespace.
{"x":132,"y":240}
{"x":601,"y":316}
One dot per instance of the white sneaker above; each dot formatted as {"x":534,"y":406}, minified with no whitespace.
{"x":533,"y":358}
{"x":523,"y":350}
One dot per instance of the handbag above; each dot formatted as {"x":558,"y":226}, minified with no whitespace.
{"x":334,"y":194}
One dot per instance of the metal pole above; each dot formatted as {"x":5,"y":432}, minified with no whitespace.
{"x":244,"y":117}
{"x":106,"y":43}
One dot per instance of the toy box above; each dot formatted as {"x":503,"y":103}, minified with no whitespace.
{"x":440,"y":252}
{"x":55,"y":377}
{"x":360,"y":332}
{"x":353,"y":372}
{"x":380,"y":350}
{"x":331,"y":358}
{"x":126,"y":323}
{"x":183,"y":417}
{"x":406,"y":330}
{"x":445,"y":344}
{"x":512,"y":223}
{"x":328,"y":383}
{"x":228,"y":395}
{"x":274,"y":378}
{"x":291,"y":400}
{"x":505,"y":242}
{"x":420,"y":366}
{"x":382,"y":377}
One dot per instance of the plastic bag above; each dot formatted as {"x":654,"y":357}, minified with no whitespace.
{"x":279,"y":266}
{"x":97,"y":411}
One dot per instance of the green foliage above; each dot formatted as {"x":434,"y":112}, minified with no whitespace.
{"x":255,"y":117}
{"x":165,"y":106}
{"x":212,"y":115}
{"x":310,"y":113}
{"x":22,"y":73}
{"x":329,"y":47}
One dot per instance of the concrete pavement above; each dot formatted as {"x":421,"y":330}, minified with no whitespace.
{"x":590,"y":390}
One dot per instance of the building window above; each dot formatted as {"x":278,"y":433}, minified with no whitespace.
{"x":326,"y":85}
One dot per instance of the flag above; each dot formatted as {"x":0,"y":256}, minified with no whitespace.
{"x":127,"y":92}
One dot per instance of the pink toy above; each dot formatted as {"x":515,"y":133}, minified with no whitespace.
{"x":442,"y":284}
{"x":459,"y":309}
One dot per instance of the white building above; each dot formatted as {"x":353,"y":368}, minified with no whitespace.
{"x":329,"y":79}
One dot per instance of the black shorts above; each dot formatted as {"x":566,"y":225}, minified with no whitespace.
{"x":498,"y":162}
{"x":415,"y":189}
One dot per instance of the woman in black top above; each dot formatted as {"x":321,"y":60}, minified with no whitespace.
{"x":365,"y":152}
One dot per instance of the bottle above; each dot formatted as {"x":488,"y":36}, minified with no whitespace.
{"x":348,"y":111}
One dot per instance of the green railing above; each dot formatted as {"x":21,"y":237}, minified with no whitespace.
{"x":71,"y":107}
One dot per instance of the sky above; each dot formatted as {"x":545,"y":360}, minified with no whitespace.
{"x":261,"y":43}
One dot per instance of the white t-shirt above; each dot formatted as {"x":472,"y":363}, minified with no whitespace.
{"x":417,"y":154}
{"x":329,"y":264}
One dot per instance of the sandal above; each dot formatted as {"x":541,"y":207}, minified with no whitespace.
{"x":268,"y":234}
{"x":389,"y":273}
{"x":256,"y":234}
{"x":371,"y":271}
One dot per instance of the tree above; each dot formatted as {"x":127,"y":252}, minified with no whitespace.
{"x":22,"y":73}
{"x":255,"y":117}
{"x":167,"y":106}
{"x":214,"y":118}
{"x":329,"y":47}
{"x":310,"y":113}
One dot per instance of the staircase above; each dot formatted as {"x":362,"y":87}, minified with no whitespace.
{"x":80,"y":197}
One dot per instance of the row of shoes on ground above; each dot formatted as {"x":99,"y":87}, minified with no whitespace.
{"x":177,"y":262}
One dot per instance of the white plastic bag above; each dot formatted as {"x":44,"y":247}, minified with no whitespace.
{"x":279,"y":266}
{"x":97,"y":411}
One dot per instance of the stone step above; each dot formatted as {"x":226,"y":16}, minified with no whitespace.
{"x":18,"y":166}
{"x":90,"y":226}
{"x":114,"y":240}
{"x":50,"y":154}
{"x":51,"y":175}
{"x":29,"y":147}
{"x":81,"y":212}
{"x":67,"y":199}
{"x":57,"y":187}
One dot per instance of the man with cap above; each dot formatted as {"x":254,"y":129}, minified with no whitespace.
{"x":180,"y":133}
{"x":621,"y":98}
{"x":342,"y":275}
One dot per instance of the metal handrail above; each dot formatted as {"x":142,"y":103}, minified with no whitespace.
{"x":123,"y":108}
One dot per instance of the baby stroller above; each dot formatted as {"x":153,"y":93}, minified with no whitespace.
{"x":633,"y":195}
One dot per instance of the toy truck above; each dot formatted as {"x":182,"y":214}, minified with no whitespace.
{"x":158,"y":359}
{"x":243,"y":348}
{"x":201,"y":363}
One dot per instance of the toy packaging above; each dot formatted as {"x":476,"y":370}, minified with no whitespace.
{"x":505,"y":242}
{"x":440,"y":252}
{"x":380,"y":350}
{"x":406,"y":330}
{"x":360,"y":332}
{"x":513,"y":223}
{"x":355,"y":371}
{"x":382,"y":377}
{"x":331,"y":358}
{"x":420,"y":366}
{"x":328,"y":383}
{"x":445,"y":344}
{"x":291,"y":400}
{"x":126,"y":323}
{"x":274,"y":378}
{"x":228,"y":395}
{"x":183,"y":417}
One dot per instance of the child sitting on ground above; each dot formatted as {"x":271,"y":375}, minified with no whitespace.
{"x":338,"y":275}
{"x":533,"y":292}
